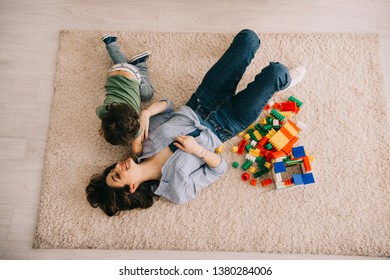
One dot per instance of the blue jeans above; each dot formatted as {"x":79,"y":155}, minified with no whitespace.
{"x":216,"y":101}
{"x":117,"y":57}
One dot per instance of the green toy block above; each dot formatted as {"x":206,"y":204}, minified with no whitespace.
{"x":235,"y":164}
{"x":277,"y":115}
{"x":261,"y":172}
{"x":246,"y":165}
{"x":296,"y":100}
{"x":253,"y":136}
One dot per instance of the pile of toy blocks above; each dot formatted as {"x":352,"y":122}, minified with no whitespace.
{"x":268,"y":147}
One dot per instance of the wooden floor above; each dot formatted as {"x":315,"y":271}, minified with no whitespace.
{"x":29,"y":33}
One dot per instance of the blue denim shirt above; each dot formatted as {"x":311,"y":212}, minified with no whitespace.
{"x":183,"y":174}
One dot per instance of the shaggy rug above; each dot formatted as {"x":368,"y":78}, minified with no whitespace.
{"x":345,"y":213}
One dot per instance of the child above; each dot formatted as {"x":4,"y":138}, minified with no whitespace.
{"x":127,"y":84}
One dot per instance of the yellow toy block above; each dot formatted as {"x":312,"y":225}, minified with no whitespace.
{"x":252,"y":169}
{"x":263,"y":121}
{"x":279,"y":140}
{"x":268,"y":165}
{"x":241,"y":134}
{"x":235,"y":149}
{"x":219,"y":150}
{"x":254,"y":152}
{"x":291,"y":127}
{"x":286,"y":114}
{"x":271,"y":133}
{"x":247,"y":136}
{"x":257,"y":134}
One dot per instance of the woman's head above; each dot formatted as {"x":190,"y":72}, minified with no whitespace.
{"x":112,"y":200}
{"x":120,"y":124}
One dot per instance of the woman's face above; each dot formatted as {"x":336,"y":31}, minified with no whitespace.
{"x":123,"y":174}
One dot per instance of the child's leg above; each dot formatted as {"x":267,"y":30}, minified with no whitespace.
{"x":115,"y":53}
{"x":223,"y":77}
{"x":241,"y":110}
{"x":146,"y":88}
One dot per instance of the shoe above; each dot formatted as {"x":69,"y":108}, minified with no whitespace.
{"x":140,"y":58}
{"x":297,"y":75}
{"x":109,"y":38}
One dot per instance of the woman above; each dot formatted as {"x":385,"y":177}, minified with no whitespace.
{"x":178,"y":158}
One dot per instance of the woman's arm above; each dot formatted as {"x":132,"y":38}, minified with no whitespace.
{"x":188,"y":144}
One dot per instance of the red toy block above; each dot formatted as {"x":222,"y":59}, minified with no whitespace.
{"x":266,"y":182}
{"x":306,"y":164}
{"x":288,"y":106}
{"x":245,"y":176}
{"x":241,"y":147}
{"x":288,"y":182}
{"x":266,"y":107}
{"x":277,"y":106}
{"x":253,"y":182}
{"x":262,"y":142}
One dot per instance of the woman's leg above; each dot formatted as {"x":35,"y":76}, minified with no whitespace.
{"x":241,"y":110}
{"x":223,"y":77}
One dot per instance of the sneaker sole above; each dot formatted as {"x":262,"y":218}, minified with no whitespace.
{"x":138,"y":56}
{"x":108,"y":35}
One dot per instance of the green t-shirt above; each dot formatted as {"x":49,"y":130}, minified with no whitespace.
{"x":120,"y":89}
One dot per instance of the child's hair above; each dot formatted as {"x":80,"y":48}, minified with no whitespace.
{"x":112,"y":200}
{"x":120,"y":124}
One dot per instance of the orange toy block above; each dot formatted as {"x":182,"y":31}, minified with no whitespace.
{"x":266,"y":182}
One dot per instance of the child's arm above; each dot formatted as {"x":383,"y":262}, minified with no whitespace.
{"x":154,"y":109}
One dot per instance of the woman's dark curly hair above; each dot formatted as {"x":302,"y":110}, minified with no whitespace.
{"x":112,"y":200}
{"x":120,"y":124}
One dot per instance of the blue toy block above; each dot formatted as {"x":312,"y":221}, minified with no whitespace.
{"x":298,"y":152}
{"x":297,"y":179}
{"x":279,"y":167}
{"x":308,"y":178}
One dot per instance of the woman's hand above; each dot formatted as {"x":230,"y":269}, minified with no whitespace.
{"x":188,"y":144}
{"x":144,"y":123}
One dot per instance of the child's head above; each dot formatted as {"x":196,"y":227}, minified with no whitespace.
{"x":120,"y":124}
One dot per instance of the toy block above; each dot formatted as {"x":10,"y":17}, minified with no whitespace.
{"x":276,"y":115}
{"x":241,"y":147}
{"x":286,"y":114}
{"x":266,"y":182}
{"x":308,"y":178}
{"x":279,"y":167}
{"x":261,"y":172}
{"x":235,"y":164}
{"x":263,"y":121}
{"x":253,"y":136}
{"x":257,"y":134}
{"x":298,"y":152}
{"x":260,"y":161}
{"x":296,"y":100}
{"x":253,"y":143}
{"x":277,"y":105}
{"x":297,"y":179}
{"x":291,"y":127}
{"x":245,"y":176}
{"x":254,"y":152}
{"x":268,"y":146}
{"x":234,"y":149}
{"x":250,"y":157}
{"x":278,"y":154}
{"x":246,"y":164}
{"x":253,"y":182}
{"x":267,"y":107}
{"x":248,"y":147}
{"x":311,"y":158}
{"x":271,"y":133}
{"x":241,"y":134}
{"x":279,"y":140}
{"x":306,"y":164}
{"x":288,"y":106}
{"x":267,"y":165}
{"x":247,"y":136}
{"x":219,"y":150}
{"x":288,"y":183}
{"x":269,"y":120}
{"x":252,"y":169}
{"x":275,"y":122}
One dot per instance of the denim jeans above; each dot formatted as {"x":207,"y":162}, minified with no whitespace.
{"x":226,"y":112}
{"x":117,"y":57}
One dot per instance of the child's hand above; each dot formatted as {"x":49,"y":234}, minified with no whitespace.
{"x":187,"y":144}
{"x":144,"y":124}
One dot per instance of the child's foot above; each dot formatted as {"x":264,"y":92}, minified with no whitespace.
{"x":140,"y":58}
{"x":109,"y":38}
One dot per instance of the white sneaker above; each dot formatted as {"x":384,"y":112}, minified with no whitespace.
{"x":297,"y":75}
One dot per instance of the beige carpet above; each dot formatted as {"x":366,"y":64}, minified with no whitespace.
{"x":345,"y":213}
